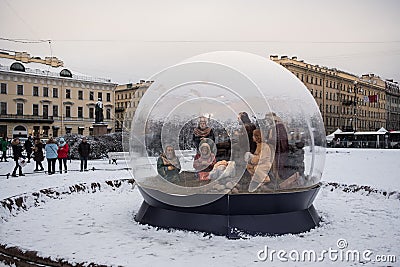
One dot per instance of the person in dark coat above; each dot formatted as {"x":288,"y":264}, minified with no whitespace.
{"x":84,"y":151}
{"x":245,"y":121}
{"x":4,"y":147}
{"x":201,"y":132}
{"x":28,"y":148}
{"x":38,"y":156}
{"x":17,"y":153}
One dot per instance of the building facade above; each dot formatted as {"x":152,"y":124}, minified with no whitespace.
{"x":345,"y":100}
{"x":42,"y":98}
{"x":392,"y":105}
{"x":127,"y":97}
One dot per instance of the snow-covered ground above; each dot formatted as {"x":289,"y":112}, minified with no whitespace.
{"x":99,"y":227}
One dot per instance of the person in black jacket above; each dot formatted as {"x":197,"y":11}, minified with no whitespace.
{"x":17,"y":153}
{"x":38,"y":156}
{"x":84,"y":151}
{"x":28,"y":148}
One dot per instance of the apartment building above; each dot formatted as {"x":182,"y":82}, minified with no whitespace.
{"x":345,"y":100}
{"x":41,"y":97}
{"x":127,"y":97}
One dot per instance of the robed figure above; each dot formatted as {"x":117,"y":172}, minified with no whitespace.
{"x":99,"y":111}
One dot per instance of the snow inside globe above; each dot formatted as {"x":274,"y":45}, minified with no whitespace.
{"x":225,"y":126}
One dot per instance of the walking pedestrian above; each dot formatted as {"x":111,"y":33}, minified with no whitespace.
{"x":63,"y":149}
{"x":4,"y":147}
{"x":38,"y":154}
{"x":17,"y":154}
{"x":84,"y":151}
{"x":28,"y":148}
{"x":51,"y":155}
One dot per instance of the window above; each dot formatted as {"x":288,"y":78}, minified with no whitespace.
{"x":3,"y":108}
{"x":80,"y":130}
{"x":35,"y":91}
{"x":20,"y":109}
{"x":91,"y":95}
{"x":80,"y":95}
{"x":3,"y":88}
{"x":35,"y":109}
{"x":20,"y":89}
{"x":55,"y":92}
{"x":108,"y":114}
{"x":45,"y":91}
{"x":16,"y":66}
{"x":68,"y":112}
{"x":91,"y":113}
{"x":80,"y":112}
{"x":45,"y":111}
{"x":55,"y":132}
{"x":108,"y":97}
{"x":55,"y":110}
{"x":66,"y":73}
{"x":67,"y":93}
{"x":100,"y":95}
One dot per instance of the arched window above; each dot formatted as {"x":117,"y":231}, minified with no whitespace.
{"x":16,"y":66}
{"x":66,"y":73}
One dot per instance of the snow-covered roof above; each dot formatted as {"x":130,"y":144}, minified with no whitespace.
{"x":330,"y":137}
{"x":367,"y":133}
{"x":38,"y":69}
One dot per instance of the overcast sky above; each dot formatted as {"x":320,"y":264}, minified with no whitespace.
{"x":131,"y":40}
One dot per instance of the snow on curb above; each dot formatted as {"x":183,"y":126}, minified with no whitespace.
{"x":12,"y":206}
{"x":361,"y":189}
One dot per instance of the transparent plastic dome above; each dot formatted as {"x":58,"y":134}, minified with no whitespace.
{"x":225,"y":123}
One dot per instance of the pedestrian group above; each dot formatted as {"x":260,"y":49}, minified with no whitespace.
{"x":34,"y":148}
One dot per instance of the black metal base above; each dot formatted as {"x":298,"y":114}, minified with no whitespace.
{"x":230,"y":215}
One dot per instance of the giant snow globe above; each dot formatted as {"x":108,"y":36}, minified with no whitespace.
{"x":227,"y":142}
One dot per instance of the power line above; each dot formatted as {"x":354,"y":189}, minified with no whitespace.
{"x":24,"y":41}
{"x":194,"y":41}
{"x":224,"y":41}
{"x":28,"y":26}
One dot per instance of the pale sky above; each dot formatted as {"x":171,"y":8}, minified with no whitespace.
{"x":131,"y":40}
